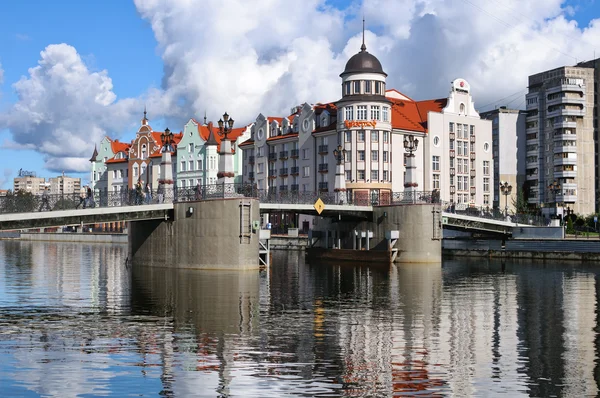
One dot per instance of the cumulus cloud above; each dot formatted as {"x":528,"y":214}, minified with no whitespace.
{"x":63,"y":108}
{"x":266,"y":58}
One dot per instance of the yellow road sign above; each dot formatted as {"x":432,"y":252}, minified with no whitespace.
{"x":319,"y":206}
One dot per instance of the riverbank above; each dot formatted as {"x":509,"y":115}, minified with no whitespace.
{"x":85,"y":237}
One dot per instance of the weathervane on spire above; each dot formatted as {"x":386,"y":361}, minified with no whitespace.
{"x":363,"y":47}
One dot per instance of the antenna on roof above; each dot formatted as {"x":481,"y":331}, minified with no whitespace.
{"x":363,"y":47}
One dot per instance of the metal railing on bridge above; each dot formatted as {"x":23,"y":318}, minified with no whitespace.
{"x":25,"y":202}
{"x":494,"y":214}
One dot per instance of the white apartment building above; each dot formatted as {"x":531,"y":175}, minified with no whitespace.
{"x":560,"y":140}
{"x":295,"y":153}
{"x":508,"y":147}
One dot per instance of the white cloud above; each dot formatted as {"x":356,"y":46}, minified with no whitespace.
{"x":1,"y":74}
{"x":225,"y":55}
{"x":63,"y":108}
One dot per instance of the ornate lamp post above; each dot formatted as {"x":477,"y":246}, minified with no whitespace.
{"x":339,"y":186}
{"x":225,"y":126}
{"x":165,"y":183}
{"x":555,"y":188}
{"x":505,"y":189}
{"x":226,"y":167}
{"x":410,"y":146}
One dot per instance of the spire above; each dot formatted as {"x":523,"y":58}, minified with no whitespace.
{"x":211,"y":137}
{"x":145,"y":119}
{"x":95,"y":154}
{"x":205,"y":117}
{"x":363,"y":47}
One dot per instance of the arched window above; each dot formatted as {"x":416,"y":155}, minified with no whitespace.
{"x":135,"y":170}
{"x":462,"y":108}
{"x":144,"y":151}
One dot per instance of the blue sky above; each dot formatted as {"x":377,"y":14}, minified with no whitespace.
{"x":120,"y":38}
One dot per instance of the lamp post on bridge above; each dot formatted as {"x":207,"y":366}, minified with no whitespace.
{"x":555,"y":188}
{"x":165,"y":183}
{"x":505,"y":189}
{"x":410,"y":146}
{"x":226,"y":174}
{"x":339,"y":186}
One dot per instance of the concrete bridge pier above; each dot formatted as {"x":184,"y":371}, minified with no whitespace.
{"x":415,"y":230}
{"x":213,"y":234}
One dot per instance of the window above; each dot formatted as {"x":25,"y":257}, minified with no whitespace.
{"x":306,"y":171}
{"x":261,"y":168}
{"x":385,"y":114}
{"x":135,"y":170}
{"x":120,"y":174}
{"x":356,"y":87}
{"x":144,"y":152}
{"x":436,"y":163}
{"x":360,"y":136}
{"x":191,"y":182}
{"x":375,"y":112}
{"x":368,"y":87}
{"x":486,"y":167}
{"x":182,"y":166}
{"x":472,"y":130}
{"x":385,"y":156}
{"x":486,"y":199}
{"x":375,"y":156}
{"x":191,"y":147}
{"x":486,"y":184}
{"x":386,"y":136}
{"x":451,"y":144}
{"x":451,"y":162}
{"x":306,"y":153}
{"x":199,"y":164}
{"x":348,"y":175}
{"x":347,"y":88}
{"x":182,"y":183}
{"x":361,"y":156}
{"x":459,"y":130}
{"x":348,"y":156}
{"x":361,"y":175}
{"x":436,"y":181}
{"x":114,"y":173}
{"x":436,"y":141}
{"x":361,"y":112}
{"x":451,"y":127}
{"x":348,"y":136}
{"x":374,"y":136}
{"x":385,"y":175}
{"x":465,"y":148}
{"x":191,"y":165}
{"x":374,"y":175}
{"x":349,"y":111}
{"x":377,"y":87}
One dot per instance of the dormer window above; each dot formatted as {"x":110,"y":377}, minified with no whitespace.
{"x":295,"y":125}
{"x":191,"y":147}
{"x":324,"y":119}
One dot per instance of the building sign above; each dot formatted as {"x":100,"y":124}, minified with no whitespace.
{"x":360,"y":123}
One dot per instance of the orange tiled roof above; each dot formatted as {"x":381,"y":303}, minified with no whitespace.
{"x":278,"y":119}
{"x":233,"y":135}
{"x":113,"y":160}
{"x":248,"y":142}
{"x":117,"y":146}
{"x":282,"y":136}
{"x":425,"y":107}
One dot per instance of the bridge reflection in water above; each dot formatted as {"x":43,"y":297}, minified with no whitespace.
{"x":468,"y":328}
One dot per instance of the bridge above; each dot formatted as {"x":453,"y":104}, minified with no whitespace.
{"x":23,"y":210}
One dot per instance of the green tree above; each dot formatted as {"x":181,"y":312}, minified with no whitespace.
{"x":18,"y":202}
{"x":570,"y":229}
{"x":520,"y":203}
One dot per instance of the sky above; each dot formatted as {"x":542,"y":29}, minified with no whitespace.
{"x":72,"y":72}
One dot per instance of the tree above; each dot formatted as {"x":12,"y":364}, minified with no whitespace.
{"x":520,"y":202}
{"x":18,"y":202}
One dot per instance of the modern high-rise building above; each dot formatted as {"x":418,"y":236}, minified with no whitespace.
{"x":29,"y":183}
{"x":508,"y":148}
{"x":560,"y":153}
{"x":64,"y":185}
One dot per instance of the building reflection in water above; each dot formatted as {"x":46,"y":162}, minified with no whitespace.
{"x":205,"y":308}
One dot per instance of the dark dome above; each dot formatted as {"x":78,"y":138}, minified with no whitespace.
{"x":363,"y":62}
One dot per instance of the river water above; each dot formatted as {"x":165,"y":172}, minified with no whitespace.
{"x":75,"y":321}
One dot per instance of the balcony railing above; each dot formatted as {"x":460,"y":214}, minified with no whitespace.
{"x":251,"y":175}
{"x":295,"y":153}
{"x":323,"y":168}
{"x":295,"y":187}
{"x":473,"y":173}
{"x":283,"y":155}
{"x":283,"y":188}
{"x":323,"y":149}
{"x":472,"y":155}
{"x":251,"y":160}
{"x":323,"y":186}
{"x":452,"y":171}
{"x":295,"y":170}
{"x":283,"y":171}
{"x":272,"y":157}
{"x":472,"y":138}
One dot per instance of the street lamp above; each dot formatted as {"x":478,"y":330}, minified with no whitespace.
{"x":167,"y":139}
{"x":505,"y":189}
{"x":555,"y":188}
{"x":410,"y":144}
{"x":225,"y":126}
{"x":340,"y":154}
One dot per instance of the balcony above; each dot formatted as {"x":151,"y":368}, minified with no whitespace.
{"x":574,"y":112}
{"x":283,"y":171}
{"x":452,"y":153}
{"x":452,"y":189}
{"x":472,"y":155}
{"x":574,"y":88}
{"x":452,"y":171}
{"x":272,"y":173}
{"x":472,"y":139}
{"x":565,"y":125}
{"x":323,"y":186}
{"x":295,"y":187}
{"x":532,"y":151}
{"x":532,"y":176}
{"x":323,"y":168}
{"x":272,"y":157}
{"x":452,"y":136}
{"x":565,"y":149}
{"x":295,"y":171}
{"x":283,"y":188}
{"x":473,"y":173}
{"x":473,"y":191}
{"x":531,"y":130}
{"x":565,"y":174}
{"x":283,"y":155}
{"x":251,"y":175}
{"x":295,"y":153}
{"x":323,"y":149}
{"x":251,"y":160}
{"x":566,"y":198}
{"x":566,"y":100}
{"x":565,"y":161}
{"x":532,"y":118}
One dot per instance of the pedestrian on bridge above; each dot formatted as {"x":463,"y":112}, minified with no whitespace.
{"x":90,"y":197}
{"x":45,"y":201}
{"x":148,"y":194}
